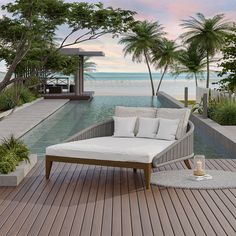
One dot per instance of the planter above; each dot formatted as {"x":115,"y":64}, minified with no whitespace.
{"x":14,"y":178}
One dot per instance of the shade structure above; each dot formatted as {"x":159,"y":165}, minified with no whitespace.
{"x":79,"y":74}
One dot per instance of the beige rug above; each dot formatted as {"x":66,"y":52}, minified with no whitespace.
{"x":185,"y":179}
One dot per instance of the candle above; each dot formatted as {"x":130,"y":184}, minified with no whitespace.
{"x":199,"y":166}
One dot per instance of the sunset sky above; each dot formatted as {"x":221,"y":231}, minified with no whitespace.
{"x":168,"y":12}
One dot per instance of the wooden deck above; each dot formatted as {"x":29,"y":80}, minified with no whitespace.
{"x":85,"y":96}
{"x":88,"y":200}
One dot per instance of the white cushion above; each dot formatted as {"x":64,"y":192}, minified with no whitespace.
{"x":167,"y":129}
{"x":147,"y":127}
{"x":124,"y":126}
{"x":176,"y":113}
{"x":135,"y":111}
{"x":109,"y":148}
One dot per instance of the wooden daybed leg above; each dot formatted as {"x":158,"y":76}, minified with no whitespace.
{"x":147,"y":173}
{"x":187,"y":163}
{"x":48,"y":167}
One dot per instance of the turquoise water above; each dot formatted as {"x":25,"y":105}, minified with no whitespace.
{"x":77,"y":115}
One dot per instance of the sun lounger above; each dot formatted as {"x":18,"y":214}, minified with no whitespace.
{"x":96,"y":145}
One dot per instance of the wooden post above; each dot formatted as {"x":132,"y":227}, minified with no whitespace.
{"x":81,"y":75}
{"x":205,"y":106}
{"x":186,"y":96}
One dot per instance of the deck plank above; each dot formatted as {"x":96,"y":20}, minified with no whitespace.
{"x":88,"y":200}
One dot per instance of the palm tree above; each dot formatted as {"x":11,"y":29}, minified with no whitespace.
{"x":164,"y":56}
{"x":208,"y":33}
{"x":140,"y":41}
{"x":191,"y":61}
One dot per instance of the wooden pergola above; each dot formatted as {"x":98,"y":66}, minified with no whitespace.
{"x":79,"y":74}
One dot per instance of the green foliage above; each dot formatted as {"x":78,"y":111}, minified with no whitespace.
{"x":14,"y":96}
{"x":207,"y":33}
{"x":8,"y":99}
{"x":12,"y":151}
{"x":164,"y":55}
{"x":28,"y":43}
{"x":26,"y":95}
{"x":140,"y":41}
{"x":229,"y":62}
{"x":191,"y":61}
{"x":17,"y":146}
{"x":224,"y":113}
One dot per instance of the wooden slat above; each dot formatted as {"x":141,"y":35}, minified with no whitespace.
{"x":88,"y":216}
{"x":80,"y":211}
{"x":116,"y":213}
{"x":98,"y":212}
{"x":107,"y":210}
{"x":74,"y":203}
{"x":125,"y":204}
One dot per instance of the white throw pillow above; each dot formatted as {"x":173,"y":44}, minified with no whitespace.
{"x":124,"y":126}
{"x":149,"y":112}
{"x":167,"y":129}
{"x":182,"y":114}
{"x":147,"y":127}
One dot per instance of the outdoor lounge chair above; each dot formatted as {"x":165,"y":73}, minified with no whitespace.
{"x":96,"y":146}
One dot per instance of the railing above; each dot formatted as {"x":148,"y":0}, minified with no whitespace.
{"x":214,"y":94}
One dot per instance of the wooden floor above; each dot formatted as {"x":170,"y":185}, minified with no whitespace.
{"x":88,"y":200}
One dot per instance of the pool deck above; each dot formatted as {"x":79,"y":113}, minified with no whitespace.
{"x":23,"y":120}
{"x":88,"y":200}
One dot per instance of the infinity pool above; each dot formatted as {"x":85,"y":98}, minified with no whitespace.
{"x":77,"y":115}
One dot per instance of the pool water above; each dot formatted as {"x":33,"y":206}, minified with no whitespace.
{"x":77,"y":115}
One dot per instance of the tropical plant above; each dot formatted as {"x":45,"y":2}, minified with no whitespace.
{"x":17,"y":146}
{"x":12,"y":151}
{"x":225,"y":113}
{"x":7,"y":162}
{"x":164,"y":56}
{"x":208,"y":33}
{"x":14,"y":96}
{"x":229,"y":62}
{"x":140,"y":41}
{"x":192,"y":62}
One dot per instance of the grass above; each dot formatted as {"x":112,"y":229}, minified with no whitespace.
{"x":190,"y":102}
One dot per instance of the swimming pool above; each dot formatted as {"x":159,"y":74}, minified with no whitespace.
{"x":77,"y":115}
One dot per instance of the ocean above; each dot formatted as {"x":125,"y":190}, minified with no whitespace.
{"x":138,"y":84}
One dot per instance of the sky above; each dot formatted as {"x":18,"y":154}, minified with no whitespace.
{"x":169,"y":13}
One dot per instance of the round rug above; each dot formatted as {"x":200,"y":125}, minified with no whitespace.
{"x":185,"y":179}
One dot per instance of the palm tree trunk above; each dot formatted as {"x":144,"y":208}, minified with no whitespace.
{"x":150,"y":74}
{"x":196,"y":83}
{"x":162,"y":76}
{"x":208,"y":71}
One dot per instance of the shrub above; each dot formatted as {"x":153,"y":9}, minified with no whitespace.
{"x":26,"y":95}
{"x":8,"y":99}
{"x":12,"y":151}
{"x":224,"y":113}
{"x":17,"y":146}
{"x":12,"y":97}
{"x":8,"y":162}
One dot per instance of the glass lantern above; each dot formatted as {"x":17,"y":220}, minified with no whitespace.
{"x":199,"y":165}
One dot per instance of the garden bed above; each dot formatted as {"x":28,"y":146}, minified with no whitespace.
{"x":14,"y":178}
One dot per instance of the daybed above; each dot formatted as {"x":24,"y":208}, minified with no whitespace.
{"x":97,"y":146}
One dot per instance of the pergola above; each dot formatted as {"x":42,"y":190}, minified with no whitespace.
{"x":79,"y":75}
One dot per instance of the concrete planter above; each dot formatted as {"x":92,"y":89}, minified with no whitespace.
{"x":14,"y":178}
